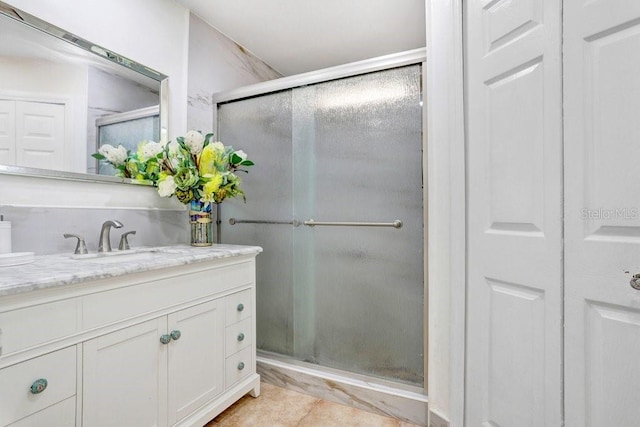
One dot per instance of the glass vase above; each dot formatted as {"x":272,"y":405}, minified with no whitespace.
{"x":200,"y":223}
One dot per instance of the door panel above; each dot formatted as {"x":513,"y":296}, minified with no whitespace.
{"x":602,"y":215}
{"x":196,"y":358}
{"x":261,"y":126}
{"x":7,"y":132}
{"x":40,"y":135}
{"x":124,"y":374}
{"x":514,"y":142}
{"x":358,"y":158}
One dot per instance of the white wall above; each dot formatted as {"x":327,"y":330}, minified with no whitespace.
{"x":42,"y":210}
{"x":217,"y":63}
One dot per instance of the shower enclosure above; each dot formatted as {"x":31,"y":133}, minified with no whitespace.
{"x":336,"y":201}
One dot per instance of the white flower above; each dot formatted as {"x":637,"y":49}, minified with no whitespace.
{"x":149,"y":150}
{"x":174,"y":147}
{"x":166,"y":186}
{"x":114,"y":155}
{"x":195,"y":141}
{"x":218,"y":146}
{"x":241,"y":154}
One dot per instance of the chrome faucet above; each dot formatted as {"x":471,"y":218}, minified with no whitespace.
{"x":105,"y":238}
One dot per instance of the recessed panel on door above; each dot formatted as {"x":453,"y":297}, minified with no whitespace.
{"x":40,"y":135}
{"x":7,"y":132}
{"x":602,"y":211}
{"x":514,"y":164}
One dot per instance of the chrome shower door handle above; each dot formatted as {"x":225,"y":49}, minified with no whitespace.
{"x":312,"y":223}
{"x":234,"y":221}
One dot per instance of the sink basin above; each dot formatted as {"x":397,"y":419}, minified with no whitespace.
{"x":119,"y":257}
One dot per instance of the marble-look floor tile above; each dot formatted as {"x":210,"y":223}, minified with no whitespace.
{"x":409,"y":407}
{"x":279,"y":407}
{"x":329,"y":414}
{"x":275,"y":407}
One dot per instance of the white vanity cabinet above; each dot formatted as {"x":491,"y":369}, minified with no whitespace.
{"x":124,"y":377}
{"x":188,"y":361}
{"x":168,"y":347}
{"x":53,"y":403}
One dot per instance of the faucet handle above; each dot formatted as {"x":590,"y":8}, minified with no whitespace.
{"x":124,"y":243}
{"x":81,"y":248}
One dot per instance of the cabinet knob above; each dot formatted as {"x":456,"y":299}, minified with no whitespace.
{"x":165,"y":339}
{"x":240,"y":366}
{"x":39,"y":386}
{"x":175,"y":335}
{"x":635,"y":282}
{"x":240,"y":336}
{"x":240,"y":307}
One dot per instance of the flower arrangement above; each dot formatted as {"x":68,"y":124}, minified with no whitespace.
{"x":192,"y":168}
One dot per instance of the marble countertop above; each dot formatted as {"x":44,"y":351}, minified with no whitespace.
{"x":49,"y":271}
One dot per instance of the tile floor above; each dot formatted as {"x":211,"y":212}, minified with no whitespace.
{"x":279,"y":407}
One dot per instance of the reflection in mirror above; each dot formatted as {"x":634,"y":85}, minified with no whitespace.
{"x":61,"y":97}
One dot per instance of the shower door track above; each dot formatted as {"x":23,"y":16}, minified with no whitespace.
{"x":410,"y":57}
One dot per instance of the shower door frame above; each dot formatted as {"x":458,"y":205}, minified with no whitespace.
{"x":396,"y":60}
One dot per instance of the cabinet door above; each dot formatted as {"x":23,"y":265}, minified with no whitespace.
{"x":124,"y":380}
{"x":196,"y":358}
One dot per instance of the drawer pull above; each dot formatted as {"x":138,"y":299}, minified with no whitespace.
{"x":240,"y":366}
{"x":240,"y":307}
{"x":240,"y":336}
{"x":39,"y":386}
{"x":165,"y":339}
{"x":175,"y":335}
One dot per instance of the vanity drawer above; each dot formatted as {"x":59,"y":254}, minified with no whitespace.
{"x":27,"y":327}
{"x":17,"y":400}
{"x":61,"y":414}
{"x":118,"y":304}
{"x":238,"y":307}
{"x":238,"y":366}
{"x":237,"y":337}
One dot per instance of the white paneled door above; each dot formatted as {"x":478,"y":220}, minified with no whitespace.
{"x":514,"y":142}
{"x":40,"y":135}
{"x":7,"y":132}
{"x":602,"y":212}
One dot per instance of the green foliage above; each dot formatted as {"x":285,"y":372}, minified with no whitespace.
{"x":191,"y":168}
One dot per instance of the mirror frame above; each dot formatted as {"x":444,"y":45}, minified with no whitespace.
{"x":27,"y":19}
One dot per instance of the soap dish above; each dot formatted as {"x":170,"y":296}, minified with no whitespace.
{"x":16,"y":258}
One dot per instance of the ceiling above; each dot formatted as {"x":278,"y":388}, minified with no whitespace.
{"x":296,"y":36}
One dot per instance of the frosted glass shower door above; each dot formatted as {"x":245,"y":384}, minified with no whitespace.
{"x":262,"y":127}
{"x":347,"y":150}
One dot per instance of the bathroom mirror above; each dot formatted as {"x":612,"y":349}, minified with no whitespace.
{"x":62,"y":96}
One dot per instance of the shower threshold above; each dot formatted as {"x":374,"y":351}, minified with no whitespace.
{"x":379,"y":396}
